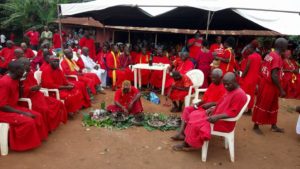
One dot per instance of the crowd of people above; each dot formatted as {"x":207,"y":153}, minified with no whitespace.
{"x":78,"y":72}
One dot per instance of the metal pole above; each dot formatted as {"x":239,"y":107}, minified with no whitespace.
{"x":207,"y":24}
{"x":113,"y":36}
{"x":104,"y":33}
{"x":60,"y":27}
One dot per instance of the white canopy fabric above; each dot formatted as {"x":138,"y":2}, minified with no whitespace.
{"x":277,"y":15}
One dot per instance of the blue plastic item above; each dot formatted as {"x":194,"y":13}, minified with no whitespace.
{"x":154,"y":98}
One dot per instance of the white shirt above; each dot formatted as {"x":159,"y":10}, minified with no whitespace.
{"x":88,"y":62}
{"x":2,"y":38}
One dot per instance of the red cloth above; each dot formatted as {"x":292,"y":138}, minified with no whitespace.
{"x":218,"y":48}
{"x":227,"y":67}
{"x":184,"y":66}
{"x":290,"y":80}
{"x":101,"y":59}
{"x":125,"y":73}
{"x":213,"y":94}
{"x":157,"y":75}
{"x":204,"y":61}
{"x":195,"y":49}
{"x":89,"y":79}
{"x":28,"y":53}
{"x":125,"y":100}
{"x":8,"y":55}
{"x":145,"y":74}
{"x":196,"y":132}
{"x":25,"y":132}
{"x":134,"y":56}
{"x":75,"y":98}
{"x":39,"y":59}
{"x":53,"y":111}
{"x":110,"y":63}
{"x":184,"y":82}
{"x":266,"y":107}
{"x":56,"y":41}
{"x":250,"y":81}
{"x":33,"y":37}
{"x":89,"y":43}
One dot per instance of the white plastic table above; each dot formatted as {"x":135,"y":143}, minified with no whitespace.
{"x":155,"y":66}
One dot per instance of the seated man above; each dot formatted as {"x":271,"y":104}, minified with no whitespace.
{"x":197,"y":128}
{"x":18,"y":53}
{"x":28,"y":53}
{"x":74,"y":95}
{"x":70,"y":67}
{"x":6,"y":56}
{"x":213,"y":94}
{"x":53,"y":111}
{"x":91,"y":66}
{"x":27,"y":128}
{"x":179,"y":90}
{"x":127,"y":100}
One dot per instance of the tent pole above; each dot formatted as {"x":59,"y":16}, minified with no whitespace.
{"x":104,"y":33}
{"x":60,"y":27}
{"x":207,"y":24}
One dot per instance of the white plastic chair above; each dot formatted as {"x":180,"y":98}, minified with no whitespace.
{"x":197,"y":77}
{"x":38,"y":77}
{"x":4,"y":127}
{"x":229,"y":137}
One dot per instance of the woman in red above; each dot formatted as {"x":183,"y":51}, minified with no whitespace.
{"x":290,"y":77}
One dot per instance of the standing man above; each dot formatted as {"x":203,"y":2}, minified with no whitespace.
{"x":227,"y":59}
{"x":194,"y":45}
{"x":217,"y":47}
{"x":34,"y":38}
{"x":46,"y":35}
{"x":88,"y":42}
{"x":2,"y":39}
{"x":266,"y":107}
{"x":250,"y":75}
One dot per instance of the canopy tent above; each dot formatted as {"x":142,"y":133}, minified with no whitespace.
{"x":193,"y":14}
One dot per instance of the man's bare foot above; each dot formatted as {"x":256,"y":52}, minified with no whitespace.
{"x":248,"y":113}
{"x":71,"y":115}
{"x":274,"y":128}
{"x":257,"y":130}
{"x":182,"y":147}
{"x":178,"y":137}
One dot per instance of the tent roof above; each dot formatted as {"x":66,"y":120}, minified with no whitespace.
{"x":192,"y":14}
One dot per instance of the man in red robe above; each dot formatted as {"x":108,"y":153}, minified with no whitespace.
{"x":205,"y":58}
{"x":34,"y":38}
{"x":27,"y":128}
{"x":228,"y":106}
{"x":53,"y":111}
{"x":250,"y":75}
{"x":74,"y":95}
{"x":127,"y":100}
{"x":124,"y":73}
{"x":39,"y":59}
{"x":113,"y":65}
{"x":194,"y":45}
{"x":28,"y":53}
{"x":266,"y":107}
{"x":184,"y":65}
{"x":70,"y":67}
{"x":56,"y":40}
{"x":88,"y":42}
{"x":212,"y":95}
{"x":143,"y":58}
{"x":6,"y":56}
{"x":157,"y":75}
{"x":227,"y":60}
{"x":217,"y":47}
{"x":179,"y":90}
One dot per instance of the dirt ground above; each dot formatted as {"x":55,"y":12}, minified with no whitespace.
{"x":74,"y":146}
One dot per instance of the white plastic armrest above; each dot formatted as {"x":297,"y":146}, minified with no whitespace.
{"x":28,"y":102}
{"x":56,"y":91}
{"x":73,"y":76}
{"x":44,"y":91}
{"x":201,"y":90}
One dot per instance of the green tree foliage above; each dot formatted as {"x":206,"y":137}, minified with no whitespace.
{"x":23,"y":14}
